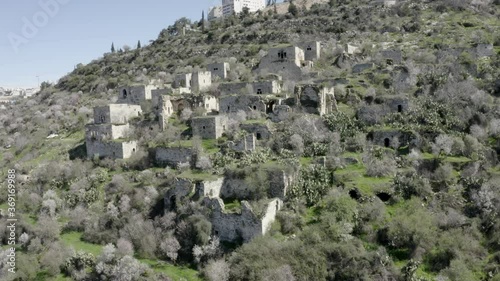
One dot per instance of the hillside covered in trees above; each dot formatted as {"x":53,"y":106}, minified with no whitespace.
{"x":400,"y":180}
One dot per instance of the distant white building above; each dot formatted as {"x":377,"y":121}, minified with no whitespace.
{"x":214,"y":12}
{"x":230,"y":7}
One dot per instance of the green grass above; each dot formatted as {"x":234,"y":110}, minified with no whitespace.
{"x":197,"y":176}
{"x":74,"y":239}
{"x":176,"y":273}
{"x":232,"y":206}
{"x":304,"y":161}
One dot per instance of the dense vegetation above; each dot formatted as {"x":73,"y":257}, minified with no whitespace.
{"x":425,"y":212}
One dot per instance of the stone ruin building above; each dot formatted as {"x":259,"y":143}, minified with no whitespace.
{"x":314,"y":99}
{"x":241,"y":226}
{"x":135,"y":94}
{"x":209,"y":127}
{"x":106,"y":137}
{"x":219,"y":70}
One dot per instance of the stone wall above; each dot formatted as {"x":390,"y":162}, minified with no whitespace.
{"x":261,"y":131}
{"x":284,"y":61}
{"x":247,"y":103}
{"x":116,"y":113}
{"x":266,"y":87}
{"x":395,"y":56}
{"x":211,"y":104}
{"x":209,"y":127}
{"x":396,"y":103}
{"x":135,"y":94}
{"x":314,"y":99}
{"x":352,"y":49}
{"x":180,"y":190}
{"x":201,"y":81}
{"x":280,"y":183}
{"x":393,"y":137}
{"x":174,"y":156}
{"x":157,"y":93}
{"x":111,"y":149}
{"x":246,"y":143}
{"x":242,"y":226}
{"x":183,"y":80}
{"x":219,"y":70}
{"x":165,"y":111}
{"x":209,"y":188}
{"x":358,"y":68}
{"x":235,"y":88}
{"x":103,"y":132}
{"x":280,"y":113}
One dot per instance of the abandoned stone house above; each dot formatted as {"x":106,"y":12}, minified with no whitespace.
{"x":116,"y":113}
{"x":164,"y":111}
{"x":312,"y":50}
{"x":262,"y":131}
{"x":287,"y":62}
{"x":392,"y":138}
{"x":183,"y":80}
{"x":209,"y":127}
{"x":106,"y":132}
{"x":175,"y":156}
{"x":110,"y":125}
{"x":234,"y":103}
{"x":245,"y":143}
{"x":135,"y":94}
{"x":111,"y":149}
{"x":219,"y":70}
{"x":269,"y":87}
{"x":315,"y":99}
{"x":244,"y":226}
{"x":201,"y":81}
{"x":396,"y":103}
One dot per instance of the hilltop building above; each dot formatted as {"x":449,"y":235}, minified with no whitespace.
{"x":230,"y":7}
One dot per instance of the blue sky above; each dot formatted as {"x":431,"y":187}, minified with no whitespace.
{"x":49,"y":42}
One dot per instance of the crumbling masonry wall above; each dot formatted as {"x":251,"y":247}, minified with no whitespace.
{"x":242,"y":226}
{"x":174,"y":156}
{"x":314,"y":99}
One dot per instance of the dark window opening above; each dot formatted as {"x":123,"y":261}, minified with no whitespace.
{"x":400,"y":108}
{"x":309,"y":48}
{"x":173,"y":203}
{"x":133,"y":150}
{"x":369,"y":137}
{"x":389,"y":62}
{"x":228,"y":108}
{"x":204,"y":127}
{"x":259,"y":91}
{"x":216,"y":232}
{"x":259,"y":136}
{"x":254,"y":107}
{"x":384,"y":196}
{"x":103,"y":118}
{"x":124,"y":94}
{"x":355,"y":194}
{"x":270,"y":107}
{"x":387,"y":142}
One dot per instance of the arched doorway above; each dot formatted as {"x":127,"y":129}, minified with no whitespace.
{"x":387,"y":142}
